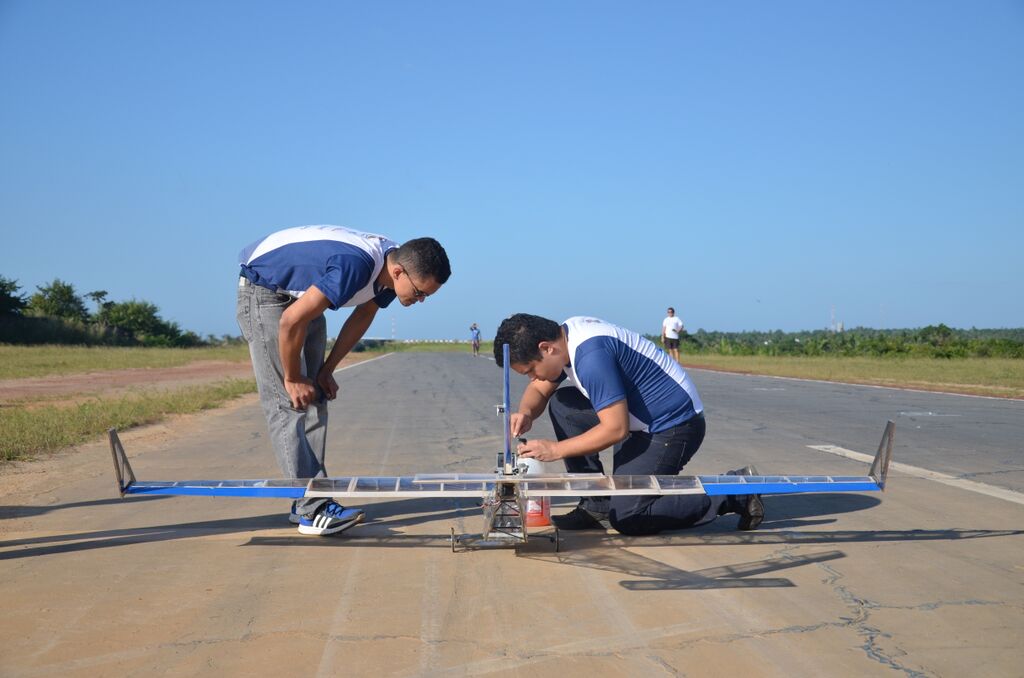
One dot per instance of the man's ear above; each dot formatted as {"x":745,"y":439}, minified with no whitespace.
{"x":546,"y":347}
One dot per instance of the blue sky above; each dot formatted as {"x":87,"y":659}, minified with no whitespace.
{"x":752,"y":164}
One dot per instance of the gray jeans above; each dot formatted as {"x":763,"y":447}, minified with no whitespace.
{"x":298,"y":436}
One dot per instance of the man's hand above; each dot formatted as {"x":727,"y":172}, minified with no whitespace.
{"x":519,"y":423}
{"x":325,"y":380}
{"x":541,"y":450}
{"x":301,"y":392}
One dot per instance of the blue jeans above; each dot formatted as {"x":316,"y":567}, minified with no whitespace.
{"x":662,"y":453}
{"x":298,"y":436}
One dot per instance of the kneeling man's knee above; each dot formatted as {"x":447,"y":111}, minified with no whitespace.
{"x":631,"y":524}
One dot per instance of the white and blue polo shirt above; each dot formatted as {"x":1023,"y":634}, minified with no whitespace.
{"x":609,"y":363}
{"x":342,"y":263}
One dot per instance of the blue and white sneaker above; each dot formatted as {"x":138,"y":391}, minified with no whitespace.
{"x":294,"y":517}
{"x":330,"y":519}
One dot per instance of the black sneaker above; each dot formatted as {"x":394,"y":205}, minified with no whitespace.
{"x":749,"y":506}
{"x":581,"y":519}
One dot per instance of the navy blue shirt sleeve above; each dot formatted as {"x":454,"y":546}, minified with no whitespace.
{"x":599,"y":373}
{"x":346,"y":274}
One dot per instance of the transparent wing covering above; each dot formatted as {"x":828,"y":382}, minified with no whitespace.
{"x":476,"y":484}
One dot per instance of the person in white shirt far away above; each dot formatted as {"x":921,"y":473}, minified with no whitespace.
{"x":671,"y":326}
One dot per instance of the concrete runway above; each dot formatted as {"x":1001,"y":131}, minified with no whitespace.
{"x":925,"y":580}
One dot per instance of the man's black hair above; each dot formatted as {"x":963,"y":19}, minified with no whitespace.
{"x":425,"y":257}
{"x":523,"y":332}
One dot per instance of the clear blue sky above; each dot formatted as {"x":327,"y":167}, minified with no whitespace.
{"x":752,"y":164}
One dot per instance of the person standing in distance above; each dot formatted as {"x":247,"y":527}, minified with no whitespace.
{"x":474,"y":334}
{"x":287,"y":280}
{"x":671,"y":326}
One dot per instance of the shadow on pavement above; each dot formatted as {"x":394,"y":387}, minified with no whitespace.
{"x":663,"y":577}
{"x":429,"y":510}
{"x":13,"y":512}
{"x":52,"y":544}
{"x":790,"y":510}
{"x":386,"y":521}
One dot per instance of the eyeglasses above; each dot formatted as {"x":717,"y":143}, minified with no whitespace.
{"x":416,"y":292}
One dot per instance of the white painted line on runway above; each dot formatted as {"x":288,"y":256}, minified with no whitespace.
{"x":953,"y":481}
{"x":362,"y":362}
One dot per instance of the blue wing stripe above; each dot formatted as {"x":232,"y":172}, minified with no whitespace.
{"x":714,"y":487}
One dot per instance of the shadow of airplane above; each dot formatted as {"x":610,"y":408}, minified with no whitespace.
{"x":14,"y":512}
{"x":663,"y":577}
{"x":791,"y":510}
{"x":383,"y":534}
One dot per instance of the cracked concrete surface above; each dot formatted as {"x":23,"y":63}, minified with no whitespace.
{"x":925,"y":582}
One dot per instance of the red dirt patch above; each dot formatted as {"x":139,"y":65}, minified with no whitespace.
{"x":118,"y":382}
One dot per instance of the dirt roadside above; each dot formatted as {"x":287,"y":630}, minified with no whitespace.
{"x":118,"y":382}
{"x":73,"y":387}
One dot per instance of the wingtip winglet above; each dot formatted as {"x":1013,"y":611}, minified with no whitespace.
{"x":880,"y":466}
{"x":122,"y":468}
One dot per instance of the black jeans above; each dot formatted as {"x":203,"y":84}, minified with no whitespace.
{"x":663,"y":453}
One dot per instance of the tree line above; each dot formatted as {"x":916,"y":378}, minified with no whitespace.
{"x":57,"y":314}
{"x":933,"y":341}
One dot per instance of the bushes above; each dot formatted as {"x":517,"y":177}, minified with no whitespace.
{"x":38,"y":330}
{"x":934,"y":341}
{"x":56,"y":314}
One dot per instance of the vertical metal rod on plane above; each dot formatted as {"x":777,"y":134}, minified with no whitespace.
{"x":508,"y":415}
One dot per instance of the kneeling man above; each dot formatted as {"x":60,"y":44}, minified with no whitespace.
{"x":629,"y":394}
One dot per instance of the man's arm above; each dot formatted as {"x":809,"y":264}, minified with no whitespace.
{"x":531,"y":405}
{"x":351,"y":332}
{"x":612,"y":428}
{"x":291,"y":335}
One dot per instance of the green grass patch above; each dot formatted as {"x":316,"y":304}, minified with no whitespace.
{"x":26,"y":432}
{"x":981,"y":376}
{"x":18,"y":362}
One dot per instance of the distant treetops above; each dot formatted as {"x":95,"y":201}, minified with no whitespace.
{"x":57,"y":314}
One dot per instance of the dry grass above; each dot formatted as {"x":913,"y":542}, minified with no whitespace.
{"x":1000,"y":377}
{"x":18,"y":362}
{"x":28,"y":431}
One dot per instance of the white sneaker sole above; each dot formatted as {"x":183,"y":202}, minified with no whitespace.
{"x":333,"y":529}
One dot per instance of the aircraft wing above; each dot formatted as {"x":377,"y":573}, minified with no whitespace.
{"x":480,"y":484}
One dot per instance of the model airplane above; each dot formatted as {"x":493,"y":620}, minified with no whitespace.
{"x":504,"y":491}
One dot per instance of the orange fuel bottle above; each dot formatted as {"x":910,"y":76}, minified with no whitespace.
{"x":538,"y":512}
{"x":538,"y":509}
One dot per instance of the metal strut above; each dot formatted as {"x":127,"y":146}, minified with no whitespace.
{"x":505,"y":507}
